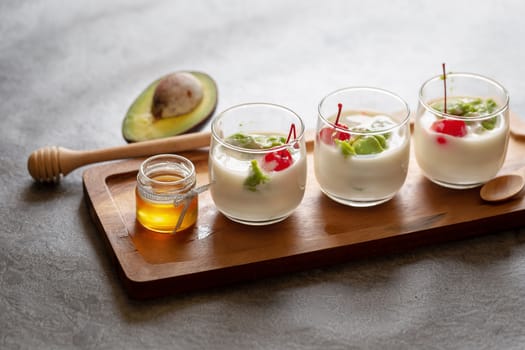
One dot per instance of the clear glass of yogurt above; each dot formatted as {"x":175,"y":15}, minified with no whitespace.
{"x":465,"y":145}
{"x":257,"y":163}
{"x":362,"y":145}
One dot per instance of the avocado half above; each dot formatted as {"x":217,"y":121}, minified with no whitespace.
{"x":140,"y":124}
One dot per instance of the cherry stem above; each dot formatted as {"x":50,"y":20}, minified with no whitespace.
{"x":445,"y":87}
{"x":340,"y":108}
{"x":292,"y":130}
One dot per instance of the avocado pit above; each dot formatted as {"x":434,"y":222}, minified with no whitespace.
{"x":176,"y":94}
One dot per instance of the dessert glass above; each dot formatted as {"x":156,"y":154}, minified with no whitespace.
{"x":363,"y":160}
{"x":257,"y":176}
{"x":466,"y":146}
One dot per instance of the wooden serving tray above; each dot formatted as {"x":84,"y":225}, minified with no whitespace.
{"x":218,"y":251}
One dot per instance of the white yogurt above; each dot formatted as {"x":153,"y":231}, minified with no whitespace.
{"x":271,"y":201}
{"x":460,"y":161}
{"x":371,"y":178}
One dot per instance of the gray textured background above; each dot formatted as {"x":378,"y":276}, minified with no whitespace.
{"x":68,"y":72}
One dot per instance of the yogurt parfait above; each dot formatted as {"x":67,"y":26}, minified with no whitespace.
{"x":362,"y":146}
{"x":461,"y":143}
{"x":257,"y":163}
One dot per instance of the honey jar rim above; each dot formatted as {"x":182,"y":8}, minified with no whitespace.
{"x":188,"y":173}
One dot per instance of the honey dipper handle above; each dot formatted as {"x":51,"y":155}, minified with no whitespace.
{"x":47,"y":164}
{"x":174,"y":144}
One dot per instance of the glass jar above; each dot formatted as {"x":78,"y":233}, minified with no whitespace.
{"x":362,"y":145}
{"x":258,"y":174}
{"x":162,"y":181}
{"x":463,"y":143}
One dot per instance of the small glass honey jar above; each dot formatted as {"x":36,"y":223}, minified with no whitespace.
{"x":163,"y":194}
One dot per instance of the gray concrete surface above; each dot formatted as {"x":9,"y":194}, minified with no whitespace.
{"x":68,"y":72}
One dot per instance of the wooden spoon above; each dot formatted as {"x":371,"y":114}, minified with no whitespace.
{"x":48,"y":163}
{"x":517,"y":126}
{"x":503,"y":187}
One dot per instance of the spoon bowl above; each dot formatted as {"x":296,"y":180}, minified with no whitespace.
{"x":503,"y":187}
{"x":517,"y":126}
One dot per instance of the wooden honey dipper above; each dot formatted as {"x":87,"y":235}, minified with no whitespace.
{"x":48,"y":164}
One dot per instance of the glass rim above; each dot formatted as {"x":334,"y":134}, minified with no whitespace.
{"x":405,"y":119}
{"x":299,"y":129}
{"x":491,"y":81}
{"x":174,"y":158}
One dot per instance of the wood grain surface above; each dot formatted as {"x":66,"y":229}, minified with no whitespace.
{"x":217,"y":251}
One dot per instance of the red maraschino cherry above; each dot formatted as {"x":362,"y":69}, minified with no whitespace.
{"x":278,"y":160}
{"x":281,"y":159}
{"x":452,"y":127}
{"x":329,"y":134}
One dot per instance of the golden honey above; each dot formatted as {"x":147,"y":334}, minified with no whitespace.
{"x":161,"y":181}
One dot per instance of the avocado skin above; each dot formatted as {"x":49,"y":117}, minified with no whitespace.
{"x":140,"y":125}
